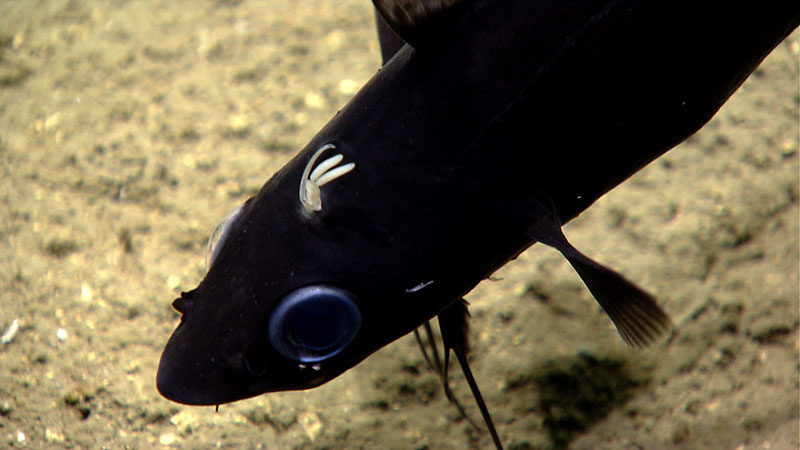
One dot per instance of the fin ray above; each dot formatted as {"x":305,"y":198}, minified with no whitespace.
{"x":454,"y":324}
{"x":440,"y":367}
{"x":635,"y":313}
{"x":413,"y":19}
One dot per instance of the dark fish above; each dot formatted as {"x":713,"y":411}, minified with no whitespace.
{"x":506,"y":120}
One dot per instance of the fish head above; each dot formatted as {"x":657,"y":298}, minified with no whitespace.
{"x":292,"y":296}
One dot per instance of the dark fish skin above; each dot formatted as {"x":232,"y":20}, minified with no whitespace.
{"x":454,"y":143}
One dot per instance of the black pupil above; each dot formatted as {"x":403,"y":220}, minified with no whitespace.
{"x":320,"y":327}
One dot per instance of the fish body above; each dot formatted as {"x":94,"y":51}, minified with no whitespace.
{"x":507,"y":120}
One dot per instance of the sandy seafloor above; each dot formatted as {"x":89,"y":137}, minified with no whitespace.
{"x":129,"y":128}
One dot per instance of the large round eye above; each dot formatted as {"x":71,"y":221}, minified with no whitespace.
{"x":313,"y":323}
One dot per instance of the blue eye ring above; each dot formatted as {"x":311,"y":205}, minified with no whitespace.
{"x":314,"y":323}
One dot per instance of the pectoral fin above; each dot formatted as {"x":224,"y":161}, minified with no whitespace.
{"x":413,"y":19}
{"x":635,"y":313}
{"x":454,"y":324}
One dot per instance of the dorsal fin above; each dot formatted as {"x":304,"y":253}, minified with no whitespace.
{"x":413,"y":19}
{"x":390,"y":42}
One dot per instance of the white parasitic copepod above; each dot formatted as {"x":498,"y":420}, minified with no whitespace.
{"x":312,"y":180}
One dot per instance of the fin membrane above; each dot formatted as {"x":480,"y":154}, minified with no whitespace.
{"x":412,"y":20}
{"x":454,"y":324}
{"x":435,"y":363}
{"x":390,"y":42}
{"x":637,"y":316}
{"x":635,"y":313}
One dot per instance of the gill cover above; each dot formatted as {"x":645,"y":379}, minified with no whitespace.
{"x":314,"y":323}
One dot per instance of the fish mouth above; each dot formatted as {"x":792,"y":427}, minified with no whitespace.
{"x":171,"y":386}
{"x":210,"y":375}
{"x":180,"y":383}
{"x":194,"y":375}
